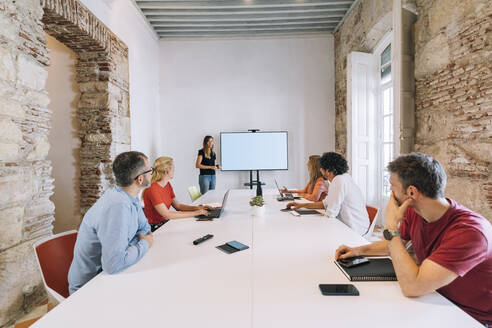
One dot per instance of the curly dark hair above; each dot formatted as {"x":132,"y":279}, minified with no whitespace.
{"x":127,"y":166}
{"x":421,"y":171}
{"x":334,"y":163}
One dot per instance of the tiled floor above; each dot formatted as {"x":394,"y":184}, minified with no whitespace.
{"x":34,"y":315}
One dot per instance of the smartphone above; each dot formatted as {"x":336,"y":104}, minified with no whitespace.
{"x":286,"y":210}
{"x":339,"y":289}
{"x":205,"y":219}
{"x":237,"y":245}
{"x":350,"y":262}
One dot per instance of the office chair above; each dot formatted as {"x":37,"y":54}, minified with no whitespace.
{"x":54,"y":255}
{"x":194,"y":193}
{"x":373,"y":213}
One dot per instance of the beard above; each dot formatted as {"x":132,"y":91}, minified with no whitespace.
{"x":398,"y":201}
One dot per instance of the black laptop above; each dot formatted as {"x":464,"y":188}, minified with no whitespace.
{"x":284,"y":196}
{"x":215,"y":213}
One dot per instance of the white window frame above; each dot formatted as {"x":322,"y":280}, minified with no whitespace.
{"x":378,"y":50}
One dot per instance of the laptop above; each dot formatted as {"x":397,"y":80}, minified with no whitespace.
{"x":284,"y":196}
{"x":215,"y":213}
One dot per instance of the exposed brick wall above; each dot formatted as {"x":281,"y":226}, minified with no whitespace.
{"x":102,"y":76}
{"x":26,"y":213}
{"x":453,"y":56}
{"x":454,"y":95}
{"x":362,"y":29}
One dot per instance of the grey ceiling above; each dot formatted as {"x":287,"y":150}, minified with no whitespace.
{"x":211,"y":18}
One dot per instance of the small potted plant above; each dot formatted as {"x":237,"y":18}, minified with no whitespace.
{"x":257,"y":204}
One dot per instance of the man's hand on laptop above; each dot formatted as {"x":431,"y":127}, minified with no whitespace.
{"x":294,"y":205}
{"x":148,"y":237}
{"x":284,"y":190}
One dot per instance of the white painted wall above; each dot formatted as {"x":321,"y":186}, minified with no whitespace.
{"x":64,"y":94}
{"x":209,"y":86}
{"x":124,"y":19}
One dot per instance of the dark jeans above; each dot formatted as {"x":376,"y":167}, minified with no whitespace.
{"x":206,"y":182}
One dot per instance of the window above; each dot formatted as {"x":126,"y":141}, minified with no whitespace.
{"x":371,"y":128}
{"x":385,"y":120}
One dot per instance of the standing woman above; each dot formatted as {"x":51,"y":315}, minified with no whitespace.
{"x":317,"y":188}
{"x":206,"y":163}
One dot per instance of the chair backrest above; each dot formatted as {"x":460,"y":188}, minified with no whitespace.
{"x":194,"y":193}
{"x":54,"y":255}
{"x":373,"y":213}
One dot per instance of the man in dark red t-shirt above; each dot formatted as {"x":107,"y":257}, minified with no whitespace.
{"x":453,"y":245}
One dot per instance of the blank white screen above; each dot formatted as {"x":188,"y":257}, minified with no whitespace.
{"x":253,"y":151}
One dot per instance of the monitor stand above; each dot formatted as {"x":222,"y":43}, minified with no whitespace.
{"x":252,"y":182}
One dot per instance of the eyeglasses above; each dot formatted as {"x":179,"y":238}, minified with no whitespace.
{"x":151,"y":171}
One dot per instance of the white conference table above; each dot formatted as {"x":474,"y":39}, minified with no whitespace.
{"x":274,"y":283}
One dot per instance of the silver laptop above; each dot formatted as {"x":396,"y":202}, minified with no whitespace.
{"x":216,"y":212}
{"x":283,"y":196}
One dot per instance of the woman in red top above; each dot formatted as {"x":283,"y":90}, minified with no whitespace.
{"x":317,"y":187}
{"x":159,"y":197}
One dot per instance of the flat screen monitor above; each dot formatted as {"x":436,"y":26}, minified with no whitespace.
{"x":244,"y":151}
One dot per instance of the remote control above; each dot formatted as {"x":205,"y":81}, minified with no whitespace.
{"x":202,"y":239}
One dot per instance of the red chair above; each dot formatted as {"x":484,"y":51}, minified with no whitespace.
{"x":54,"y":255}
{"x":373,"y":213}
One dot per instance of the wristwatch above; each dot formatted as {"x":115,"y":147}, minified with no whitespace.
{"x":389,"y":234}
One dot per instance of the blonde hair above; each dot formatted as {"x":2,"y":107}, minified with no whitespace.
{"x":207,"y":151}
{"x":314,"y":170}
{"x":162,"y":165}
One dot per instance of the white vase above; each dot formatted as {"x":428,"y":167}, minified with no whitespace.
{"x":258,"y":211}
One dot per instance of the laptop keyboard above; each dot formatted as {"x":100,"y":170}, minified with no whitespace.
{"x":214,"y":213}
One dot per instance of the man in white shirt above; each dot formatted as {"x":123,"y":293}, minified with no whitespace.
{"x":345,"y":200}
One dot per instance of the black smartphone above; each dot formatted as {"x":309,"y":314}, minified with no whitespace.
{"x":339,"y":289}
{"x":205,"y":219}
{"x":353,"y":261}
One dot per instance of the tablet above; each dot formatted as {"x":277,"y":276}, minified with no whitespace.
{"x":232,"y":247}
{"x":302,"y":211}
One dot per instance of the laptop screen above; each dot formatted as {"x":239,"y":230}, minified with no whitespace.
{"x":224,"y":201}
{"x":278,"y":187}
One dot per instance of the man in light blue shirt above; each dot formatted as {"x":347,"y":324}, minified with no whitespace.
{"x":114,"y":233}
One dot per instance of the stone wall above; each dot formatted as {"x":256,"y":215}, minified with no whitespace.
{"x":453,"y":52}
{"x":453,"y":71}
{"x":102,"y":76}
{"x":26,"y":213}
{"x":362,"y":29}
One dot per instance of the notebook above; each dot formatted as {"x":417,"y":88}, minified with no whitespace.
{"x":378,"y":269}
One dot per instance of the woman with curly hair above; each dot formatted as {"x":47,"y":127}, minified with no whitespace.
{"x":345,"y":200}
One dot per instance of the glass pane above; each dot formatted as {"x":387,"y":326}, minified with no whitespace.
{"x":388,"y":128}
{"x":386,"y":184}
{"x":387,"y":153}
{"x":386,"y":74}
{"x":386,"y":55}
{"x":387,"y":101}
